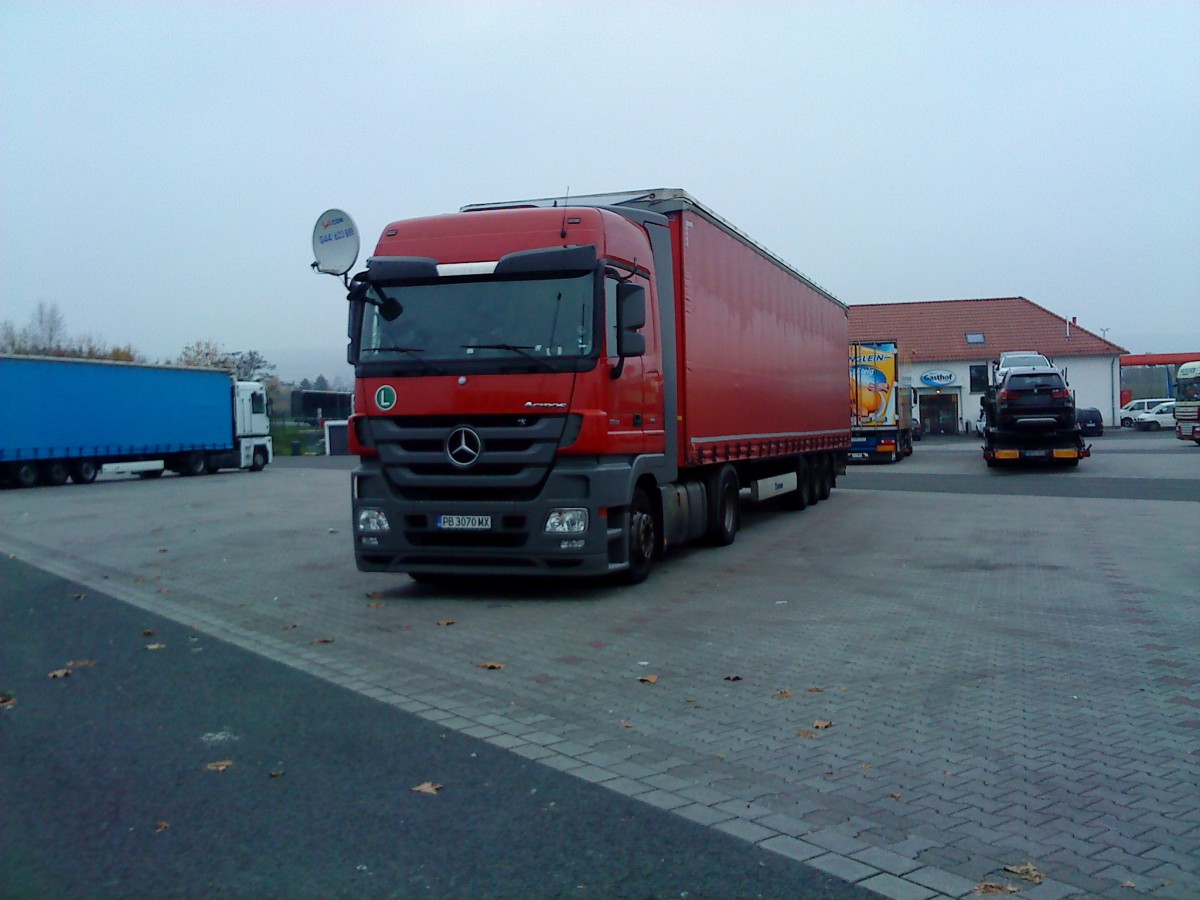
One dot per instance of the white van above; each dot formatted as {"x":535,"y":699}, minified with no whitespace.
{"x":1135,"y":408}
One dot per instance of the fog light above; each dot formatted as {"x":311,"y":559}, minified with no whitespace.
{"x":371,"y":519}
{"x":567,"y":521}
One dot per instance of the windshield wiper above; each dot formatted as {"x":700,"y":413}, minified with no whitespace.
{"x":515,"y":348}
{"x":389,"y":348}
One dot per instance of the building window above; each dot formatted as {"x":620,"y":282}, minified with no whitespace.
{"x":979,"y":379}
{"x":975,"y":337}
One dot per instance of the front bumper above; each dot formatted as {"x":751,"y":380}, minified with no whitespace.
{"x":514,"y":542}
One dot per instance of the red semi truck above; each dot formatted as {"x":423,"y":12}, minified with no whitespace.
{"x":553,"y":388}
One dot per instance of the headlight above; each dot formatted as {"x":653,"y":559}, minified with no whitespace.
{"x":370,"y":519}
{"x":567,"y":521}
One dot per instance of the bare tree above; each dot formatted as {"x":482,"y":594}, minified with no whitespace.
{"x":206,"y":355}
{"x":250,"y":365}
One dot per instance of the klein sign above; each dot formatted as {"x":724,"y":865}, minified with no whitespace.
{"x":938,"y":377}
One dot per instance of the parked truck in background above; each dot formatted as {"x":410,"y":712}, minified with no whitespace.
{"x":1029,"y":413}
{"x":881,"y":413}
{"x":1187,"y":402}
{"x":66,"y":418}
{"x":568,"y":388}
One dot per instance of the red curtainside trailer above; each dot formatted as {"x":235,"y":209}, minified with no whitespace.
{"x":569,"y":387}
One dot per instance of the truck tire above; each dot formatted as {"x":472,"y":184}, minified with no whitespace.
{"x":824,"y":478}
{"x":724,"y":506}
{"x":84,"y":471}
{"x":193,"y":464}
{"x":813,"y":481}
{"x":55,"y":472}
{"x":26,"y":474}
{"x":259,"y":462}
{"x":798,"y":499}
{"x":643,"y":539}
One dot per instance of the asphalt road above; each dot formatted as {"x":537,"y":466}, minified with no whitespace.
{"x":105,"y":789}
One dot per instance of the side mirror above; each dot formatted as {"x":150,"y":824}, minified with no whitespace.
{"x":631,"y":316}
{"x":389,"y":307}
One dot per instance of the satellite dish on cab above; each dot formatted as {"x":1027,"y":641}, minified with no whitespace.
{"x":335,"y":242}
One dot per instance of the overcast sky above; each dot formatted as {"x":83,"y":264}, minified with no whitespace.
{"x":164,"y":163}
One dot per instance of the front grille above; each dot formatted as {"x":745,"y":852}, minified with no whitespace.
{"x":514,"y":458}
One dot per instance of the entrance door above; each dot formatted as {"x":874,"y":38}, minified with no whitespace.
{"x":939,"y":413}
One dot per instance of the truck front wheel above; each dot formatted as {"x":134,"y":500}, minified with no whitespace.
{"x":259,"y":462}
{"x":724,"y":510}
{"x":643,"y":538}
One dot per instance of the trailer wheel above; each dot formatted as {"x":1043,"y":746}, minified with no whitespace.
{"x":643,"y":539}
{"x":194,"y":464}
{"x":824,"y":478}
{"x":259,"y":462}
{"x":26,"y":474}
{"x":724,"y":508}
{"x":55,"y":472}
{"x":813,"y":481}
{"x":84,"y":471}
{"x":798,"y":499}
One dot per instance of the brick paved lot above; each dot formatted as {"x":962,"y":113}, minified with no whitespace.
{"x":1008,"y":678}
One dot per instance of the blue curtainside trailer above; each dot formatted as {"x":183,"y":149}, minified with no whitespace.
{"x":66,"y":418}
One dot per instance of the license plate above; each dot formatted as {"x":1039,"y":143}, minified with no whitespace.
{"x":464,"y":523}
{"x":1035,"y":453}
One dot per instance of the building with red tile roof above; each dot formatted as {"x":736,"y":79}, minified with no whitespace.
{"x":947,"y":347}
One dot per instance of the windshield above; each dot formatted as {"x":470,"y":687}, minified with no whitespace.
{"x":1188,"y":389}
{"x":532,"y":321}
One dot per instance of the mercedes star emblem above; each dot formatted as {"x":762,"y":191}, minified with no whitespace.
{"x":463,"y":446}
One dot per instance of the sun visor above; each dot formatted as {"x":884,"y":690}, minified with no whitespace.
{"x":548,"y":260}
{"x":388,"y":269}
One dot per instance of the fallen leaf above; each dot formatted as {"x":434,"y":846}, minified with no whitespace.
{"x":648,"y":679}
{"x":1128,"y":884}
{"x":289,"y":627}
{"x":162,"y":590}
{"x":805,"y":733}
{"x":816,"y":690}
{"x":138,"y":580}
{"x":490,"y":665}
{"x":1028,"y":871}
{"x":374,"y":595}
{"x":733,"y":677}
{"x":894,"y":795}
{"x":163,"y":550}
{"x":446,"y":622}
{"x":219,"y":766}
{"x":375,"y":605}
{"x":156,"y":646}
{"x":277,"y":774}
{"x":7,"y":700}
{"x":323,"y":641}
{"x":60,"y":673}
{"x":991,"y":887}
{"x":333,"y":531}
{"x":149,"y":632}
{"x":783,"y":695}
{"x":627,"y":725}
{"x":866,"y":766}
{"x":161,"y":827}
{"x":822,"y":723}
{"x":79,"y":596}
{"x":426,"y":787}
